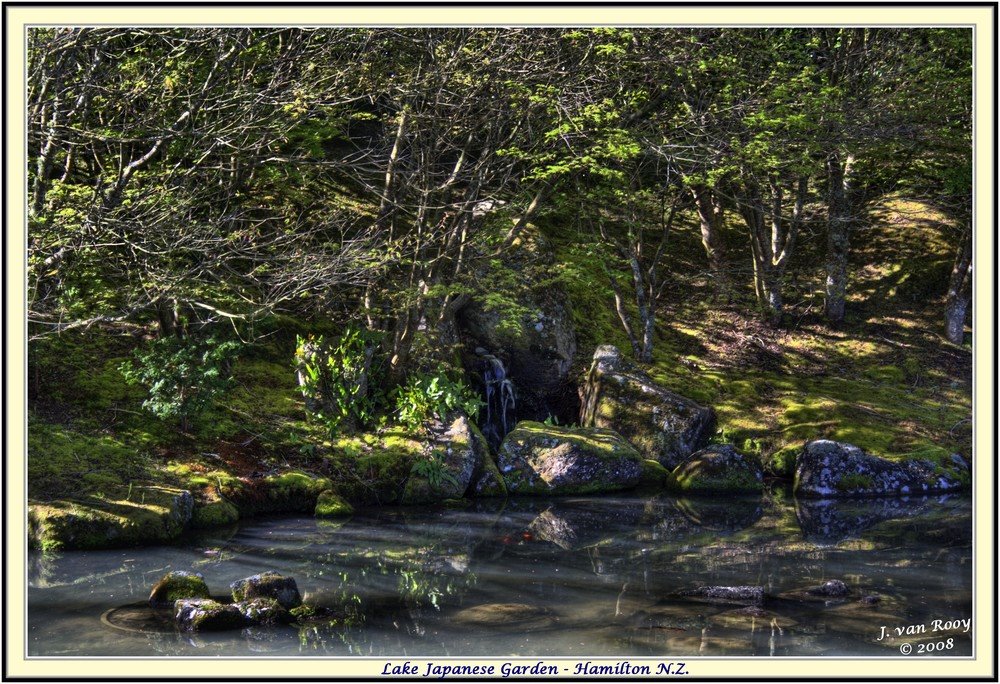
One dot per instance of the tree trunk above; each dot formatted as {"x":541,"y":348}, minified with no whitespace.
{"x":838,"y":236}
{"x":710,"y":219}
{"x":959,"y":291}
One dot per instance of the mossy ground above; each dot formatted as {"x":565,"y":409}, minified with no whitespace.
{"x":885,"y":380}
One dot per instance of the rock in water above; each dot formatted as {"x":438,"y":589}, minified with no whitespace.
{"x":543,"y":459}
{"x":332,"y":505}
{"x":263,"y":611}
{"x":177,"y":585}
{"x":662,"y":425}
{"x":753,"y":595}
{"x":267,"y":585}
{"x":835,"y":469}
{"x":835,"y":588}
{"x":195,"y":615}
{"x":719,"y":468}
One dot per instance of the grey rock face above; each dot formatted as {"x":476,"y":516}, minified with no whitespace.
{"x":835,"y":469}
{"x":267,"y":585}
{"x":544,"y":459}
{"x":661,"y":424}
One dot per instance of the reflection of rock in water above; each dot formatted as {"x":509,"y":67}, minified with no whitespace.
{"x":674,"y":520}
{"x":832,"y":520}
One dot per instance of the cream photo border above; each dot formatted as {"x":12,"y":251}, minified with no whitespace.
{"x":981,"y":18}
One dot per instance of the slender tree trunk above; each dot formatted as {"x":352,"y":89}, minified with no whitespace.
{"x":838,"y":235}
{"x":710,"y":219}
{"x":959,"y":291}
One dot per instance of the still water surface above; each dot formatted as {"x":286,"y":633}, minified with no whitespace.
{"x":568,"y":577}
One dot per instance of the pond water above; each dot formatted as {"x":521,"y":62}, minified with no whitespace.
{"x":569,"y":577}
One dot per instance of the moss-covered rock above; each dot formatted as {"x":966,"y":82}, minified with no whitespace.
{"x":214,"y":514}
{"x":831,"y":469}
{"x":124,"y":516}
{"x":294,"y":491}
{"x":662,"y":425}
{"x":267,"y":585}
{"x":263,"y":611}
{"x":460,"y":463}
{"x":332,"y":505}
{"x":719,"y":468}
{"x":542,"y":459}
{"x":206,"y":615}
{"x":177,"y":585}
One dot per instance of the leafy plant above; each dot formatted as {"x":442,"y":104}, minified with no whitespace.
{"x":428,"y":396}
{"x":183,"y":376}
{"x":336,"y":379}
{"x":432,"y":469}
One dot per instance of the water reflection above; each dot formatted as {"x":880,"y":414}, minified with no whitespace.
{"x":596,"y":576}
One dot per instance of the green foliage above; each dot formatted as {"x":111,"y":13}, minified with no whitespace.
{"x":183,"y":376}
{"x":337,"y":378}
{"x":427,"y":396}
{"x":433,"y":470}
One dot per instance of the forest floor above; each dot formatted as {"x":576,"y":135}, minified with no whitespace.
{"x":886,"y":380}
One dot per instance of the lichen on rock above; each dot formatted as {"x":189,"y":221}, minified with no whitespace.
{"x":661,"y":424}
{"x":719,"y":468}
{"x":542,"y":459}
{"x":829,"y":469}
{"x":267,"y":585}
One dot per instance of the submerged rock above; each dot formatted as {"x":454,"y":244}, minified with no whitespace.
{"x":661,"y":424}
{"x":505,"y":616}
{"x":835,"y":469}
{"x":835,"y":588}
{"x":543,"y":459}
{"x":267,"y":585}
{"x":719,"y":468}
{"x":177,"y":585}
{"x":753,"y":595}
{"x":195,"y":615}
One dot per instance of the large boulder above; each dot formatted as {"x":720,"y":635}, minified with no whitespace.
{"x":137,"y":515}
{"x":533,"y":332}
{"x":835,"y":469}
{"x":542,"y":459}
{"x":662,"y":425}
{"x":719,"y":468}
{"x":465,"y":465}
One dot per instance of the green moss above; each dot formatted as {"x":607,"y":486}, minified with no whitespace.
{"x":854,"y":482}
{"x":62,"y":461}
{"x":214,"y":514}
{"x":331,"y":505}
{"x":128,"y":516}
{"x":178,"y":585}
{"x":782,"y":462}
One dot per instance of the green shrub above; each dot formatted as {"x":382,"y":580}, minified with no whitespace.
{"x":183,"y":376}
{"x":337,"y":379}
{"x":426,"y":396}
